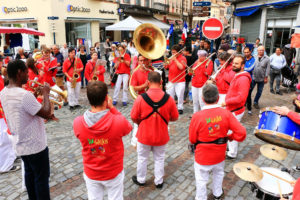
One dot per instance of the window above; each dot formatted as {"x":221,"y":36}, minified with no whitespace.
{"x":147,"y":3}
{"x":138,"y":2}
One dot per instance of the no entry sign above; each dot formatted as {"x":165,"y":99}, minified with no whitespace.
{"x":212,"y":28}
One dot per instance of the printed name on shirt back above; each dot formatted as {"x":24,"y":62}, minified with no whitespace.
{"x":213,"y":128}
{"x":98,"y":147}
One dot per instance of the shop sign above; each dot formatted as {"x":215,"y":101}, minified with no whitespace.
{"x":8,"y":10}
{"x":74,"y":9}
{"x":106,"y":12}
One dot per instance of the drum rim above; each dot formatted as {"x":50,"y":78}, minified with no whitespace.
{"x":267,"y":192}
{"x":267,"y":109}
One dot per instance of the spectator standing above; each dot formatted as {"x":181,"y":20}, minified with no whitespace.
{"x":233,"y":43}
{"x":107,"y":47}
{"x":98,"y":49}
{"x":60,"y":60}
{"x":83,"y":57}
{"x":64,"y":51}
{"x":92,"y":50}
{"x":277,"y":62}
{"x":21,"y":55}
{"x":249,"y":67}
{"x":256,"y":45}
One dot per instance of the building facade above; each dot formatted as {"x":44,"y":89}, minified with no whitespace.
{"x":72,"y":22}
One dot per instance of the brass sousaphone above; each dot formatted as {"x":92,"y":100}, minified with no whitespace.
{"x":150,"y":42}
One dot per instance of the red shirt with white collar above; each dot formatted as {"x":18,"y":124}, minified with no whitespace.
{"x":153,"y":131}
{"x":296,"y":191}
{"x":139,"y":77}
{"x":202,"y":73}
{"x":174,"y":71}
{"x":89,"y":71}
{"x":1,"y":88}
{"x":224,"y":78}
{"x":295,"y":117}
{"x":123,"y":68}
{"x":48,"y":67}
{"x":102,"y":145}
{"x":69,"y":70}
{"x":209,"y":124}
{"x":238,"y":92}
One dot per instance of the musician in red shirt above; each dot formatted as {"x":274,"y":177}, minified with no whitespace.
{"x":177,"y":74}
{"x":122,"y":65}
{"x":152,"y":111}
{"x":100,"y":131}
{"x":225,"y":76}
{"x":68,"y":68}
{"x":208,"y":132}
{"x":200,"y":76}
{"x":236,"y":97}
{"x":94,"y":67}
{"x":139,"y":81}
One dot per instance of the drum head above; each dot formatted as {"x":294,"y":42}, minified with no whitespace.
{"x":269,"y":183}
{"x":278,"y":139}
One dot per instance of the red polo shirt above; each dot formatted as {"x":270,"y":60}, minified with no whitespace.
{"x":224,"y":78}
{"x":139,"y":77}
{"x":123,"y":68}
{"x":89,"y":71}
{"x":174,"y":71}
{"x":153,"y":131}
{"x":202,"y":73}
{"x":209,"y":124}
{"x":102,"y":145}
{"x":69,"y":70}
{"x":49,"y":69}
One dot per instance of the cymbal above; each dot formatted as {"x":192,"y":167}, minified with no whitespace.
{"x":248,"y":171}
{"x":273,"y":152}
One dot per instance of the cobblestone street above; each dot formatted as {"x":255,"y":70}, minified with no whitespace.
{"x":66,"y":178}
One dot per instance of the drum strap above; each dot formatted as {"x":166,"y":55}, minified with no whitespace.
{"x":155,"y":105}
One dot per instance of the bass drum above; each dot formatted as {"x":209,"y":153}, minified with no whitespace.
{"x":267,"y":189}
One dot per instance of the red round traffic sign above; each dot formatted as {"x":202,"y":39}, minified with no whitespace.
{"x":212,"y":28}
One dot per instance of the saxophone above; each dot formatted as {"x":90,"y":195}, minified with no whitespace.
{"x":75,"y":74}
{"x":95,"y":77}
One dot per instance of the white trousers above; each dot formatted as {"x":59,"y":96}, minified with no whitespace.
{"x":114,"y":188}
{"x":73,"y":93}
{"x":133,"y":141}
{"x":7,"y":153}
{"x":221,"y":98}
{"x":233,"y":145}
{"x":177,"y":88}
{"x":122,"y":78}
{"x":197,"y":98}
{"x":202,"y":177}
{"x":158,"y":157}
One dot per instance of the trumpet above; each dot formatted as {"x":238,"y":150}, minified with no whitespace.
{"x":63,"y":94}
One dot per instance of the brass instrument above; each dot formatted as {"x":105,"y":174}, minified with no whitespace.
{"x":99,"y":62}
{"x":168,"y":60}
{"x":63,"y":94}
{"x":150,"y":42}
{"x":75,"y":74}
{"x":224,"y":65}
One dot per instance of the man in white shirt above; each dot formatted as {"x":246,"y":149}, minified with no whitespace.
{"x":64,"y":51}
{"x":24,"y":115}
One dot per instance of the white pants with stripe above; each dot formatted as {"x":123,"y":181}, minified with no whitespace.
{"x":73,"y":93}
{"x":114,"y":188}
{"x":202,"y":177}
{"x":233,"y":145}
{"x":178,"y":89}
{"x":197,"y":98}
{"x":133,"y":141}
{"x":122,"y":78}
{"x":7,"y":153}
{"x":159,"y":160}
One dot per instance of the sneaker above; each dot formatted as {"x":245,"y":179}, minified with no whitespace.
{"x":160,"y":186}
{"x":272,"y":91}
{"x":249,"y":112}
{"x":124,"y":103}
{"x":115,"y":103}
{"x":230,"y":158}
{"x":279,"y":93}
{"x":77,"y":106}
{"x":14,"y":168}
{"x":255,"y":105}
{"x":135,"y":181}
{"x":219,"y":197}
{"x":180,"y":112}
{"x":66,"y":103}
{"x":296,"y":168}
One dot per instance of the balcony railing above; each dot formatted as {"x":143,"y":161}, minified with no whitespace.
{"x":161,"y":6}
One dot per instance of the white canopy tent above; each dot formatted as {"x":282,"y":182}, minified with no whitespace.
{"x":131,"y":23}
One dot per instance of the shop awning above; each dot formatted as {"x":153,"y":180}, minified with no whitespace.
{"x":247,"y":11}
{"x":29,"y":31}
{"x":131,"y":23}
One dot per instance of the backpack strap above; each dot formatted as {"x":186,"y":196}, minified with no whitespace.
{"x":155,"y":105}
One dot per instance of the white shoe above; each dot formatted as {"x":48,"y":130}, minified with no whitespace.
{"x":249,"y":112}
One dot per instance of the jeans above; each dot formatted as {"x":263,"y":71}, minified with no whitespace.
{"x":260,"y":87}
{"x":107,"y":62}
{"x":83,"y":79}
{"x":277,"y":78}
{"x":37,"y":173}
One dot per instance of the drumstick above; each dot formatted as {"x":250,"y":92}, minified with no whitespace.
{"x":279,"y":188}
{"x":290,"y":182}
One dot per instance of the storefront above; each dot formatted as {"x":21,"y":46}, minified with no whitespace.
{"x":70,"y":22}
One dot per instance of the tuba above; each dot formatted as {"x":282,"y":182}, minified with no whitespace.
{"x":75,"y":74}
{"x":150,"y":42}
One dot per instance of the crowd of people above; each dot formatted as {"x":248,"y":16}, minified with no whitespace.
{"x":221,"y":80}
